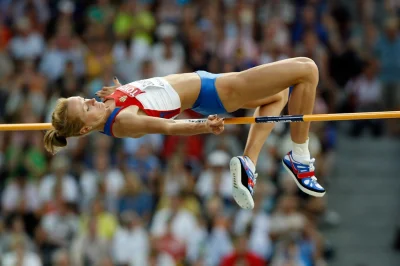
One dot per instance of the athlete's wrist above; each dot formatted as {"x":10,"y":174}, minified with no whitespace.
{"x":206,"y":128}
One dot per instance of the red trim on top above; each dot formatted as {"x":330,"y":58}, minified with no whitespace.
{"x":134,"y":101}
{"x":156,"y":113}
{"x":300,"y":175}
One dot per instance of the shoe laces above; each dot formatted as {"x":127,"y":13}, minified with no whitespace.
{"x":255,"y":178}
{"x":312,"y":168}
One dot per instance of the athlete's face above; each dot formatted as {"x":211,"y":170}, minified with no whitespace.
{"x":90,"y":111}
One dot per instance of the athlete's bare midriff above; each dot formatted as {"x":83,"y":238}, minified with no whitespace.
{"x":187,"y":86}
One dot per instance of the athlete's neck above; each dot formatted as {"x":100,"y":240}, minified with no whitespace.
{"x":100,"y":126}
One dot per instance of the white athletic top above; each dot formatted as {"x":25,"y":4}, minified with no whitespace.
{"x":155,"y":96}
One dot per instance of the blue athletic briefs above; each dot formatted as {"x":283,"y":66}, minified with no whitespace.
{"x":208,"y":101}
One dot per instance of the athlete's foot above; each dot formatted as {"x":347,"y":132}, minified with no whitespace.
{"x":303,"y":175}
{"x":243,"y":180}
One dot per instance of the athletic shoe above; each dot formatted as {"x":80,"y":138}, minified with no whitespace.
{"x":303,"y":175}
{"x":244,"y":181}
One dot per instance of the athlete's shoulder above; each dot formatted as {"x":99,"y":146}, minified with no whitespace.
{"x":124,"y":121}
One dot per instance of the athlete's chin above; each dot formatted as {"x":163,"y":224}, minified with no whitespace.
{"x":101,"y":106}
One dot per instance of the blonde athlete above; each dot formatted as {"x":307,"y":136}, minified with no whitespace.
{"x":149,"y":107}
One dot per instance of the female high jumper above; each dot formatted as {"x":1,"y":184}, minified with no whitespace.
{"x":149,"y":107}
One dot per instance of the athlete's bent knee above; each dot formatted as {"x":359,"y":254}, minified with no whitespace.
{"x":310,"y":68}
{"x":304,"y":60}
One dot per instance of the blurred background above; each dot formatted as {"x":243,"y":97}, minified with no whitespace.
{"x":166,"y":200}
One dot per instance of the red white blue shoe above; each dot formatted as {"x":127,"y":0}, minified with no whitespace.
{"x":244,"y":180}
{"x":303,"y":175}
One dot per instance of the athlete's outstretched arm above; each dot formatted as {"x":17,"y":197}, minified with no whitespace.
{"x":131,"y":125}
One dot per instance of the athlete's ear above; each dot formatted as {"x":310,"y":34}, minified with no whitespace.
{"x":85,"y":130}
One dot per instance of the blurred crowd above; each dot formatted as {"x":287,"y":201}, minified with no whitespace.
{"x":166,"y":200}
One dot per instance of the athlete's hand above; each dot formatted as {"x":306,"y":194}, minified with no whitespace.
{"x":105,"y":91}
{"x":215,"y":124}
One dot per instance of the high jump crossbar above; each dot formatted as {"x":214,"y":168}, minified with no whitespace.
{"x":245,"y":120}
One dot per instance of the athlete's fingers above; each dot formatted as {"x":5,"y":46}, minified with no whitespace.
{"x":106,"y":90}
{"x":212,"y":117}
{"x":101,"y":93}
{"x":116,"y":82}
{"x":217,"y":122}
{"x":218,"y":130}
{"x":216,"y":126}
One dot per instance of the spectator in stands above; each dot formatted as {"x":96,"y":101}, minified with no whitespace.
{"x":19,"y":255}
{"x":99,"y":58}
{"x":241,"y":255}
{"x":366,"y":95}
{"x":102,"y":180}
{"x":288,"y":253}
{"x":215,"y":179}
{"x":219,"y":242}
{"x":135,"y":197}
{"x":98,"y":218}
{"x":388,"y":51}
{"x":61,"y":258}
{"x":131,"y":243}
{"x":259,"y":223}
{"x":45,"y":246}
{"x":168,"y":243}
{"x":20,"y":195}
{"x":27,"y":43}
{"x":167,"y":54}
{"x":90,"y":247}
{"x":183,"y":222}
{"x":16,"y":232}
{"x":58,"y":182}
{"x":63,"y":48}
{"x":60,"y":225}
{"x":309,"y":22}
{"x":144,"y":162}
{"x":287,"y":218}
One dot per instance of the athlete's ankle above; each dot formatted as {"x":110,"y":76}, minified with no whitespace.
{"x":300,"y":151}
{"x":250,"y":163}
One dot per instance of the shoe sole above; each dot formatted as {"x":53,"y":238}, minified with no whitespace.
{"x":307,"y":191}
{"x":240,"y":193}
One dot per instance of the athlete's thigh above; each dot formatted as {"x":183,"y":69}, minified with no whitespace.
{"x":238,"y":88}
{"x":282,"y":97}
{"x":235,"y":94}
